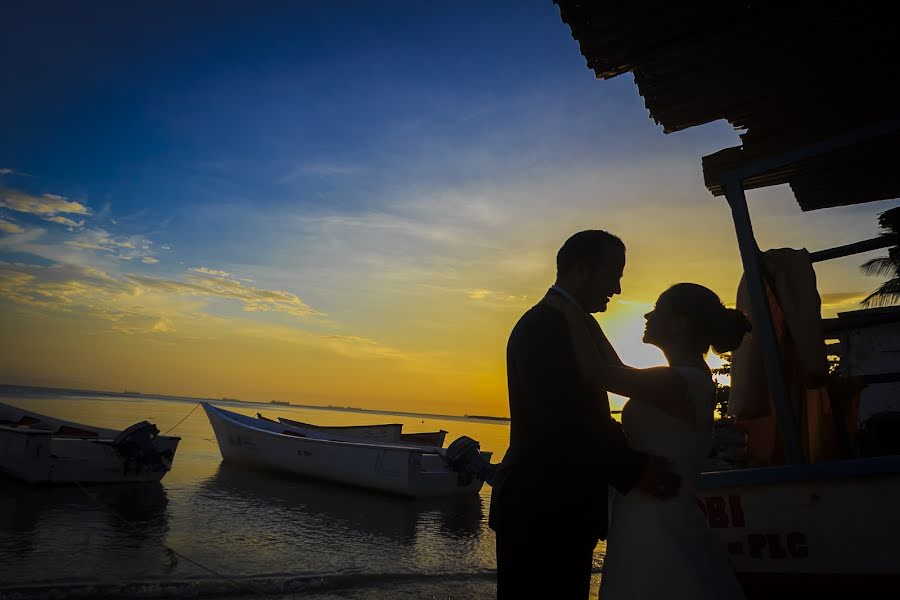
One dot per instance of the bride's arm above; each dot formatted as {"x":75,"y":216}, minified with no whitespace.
{"x":661,"y":386}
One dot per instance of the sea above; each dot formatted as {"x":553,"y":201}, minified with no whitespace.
{"x":216,"y":530}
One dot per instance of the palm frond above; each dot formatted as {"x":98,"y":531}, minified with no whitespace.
{"x":887,"y":294}
{"x":883,"y":266}
{"x":889,"y":220}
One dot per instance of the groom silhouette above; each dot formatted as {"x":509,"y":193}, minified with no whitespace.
{"x":549,"y":499}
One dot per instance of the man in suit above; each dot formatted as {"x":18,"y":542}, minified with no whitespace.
{"x":549,"y":500}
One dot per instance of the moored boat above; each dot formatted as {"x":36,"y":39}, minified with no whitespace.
{"x":389,"y":432}
{"x":414,"y":471}
{"x":40,"y":449}
{"x":824,"y":529}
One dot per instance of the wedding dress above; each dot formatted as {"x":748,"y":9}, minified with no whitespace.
{"x":663,"y":548}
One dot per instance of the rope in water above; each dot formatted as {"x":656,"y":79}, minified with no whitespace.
{"x":172,"y":552}
{"x":183,"y":419}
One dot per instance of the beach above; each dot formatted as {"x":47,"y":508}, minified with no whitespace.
{"x":237,"y":532}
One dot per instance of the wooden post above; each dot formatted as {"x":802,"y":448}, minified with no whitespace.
{"x":763,"y":328}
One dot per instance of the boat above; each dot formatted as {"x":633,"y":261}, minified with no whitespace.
{"x":425,"y":438}
{"x":405,"y":470}
{"x":389,"y":432}
{"x":36,"y":448}
{"x":805,"y":523}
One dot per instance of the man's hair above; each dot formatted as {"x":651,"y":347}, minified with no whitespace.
{"x":592,"y":247}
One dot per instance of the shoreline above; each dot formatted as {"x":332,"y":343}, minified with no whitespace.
{"x":5,"y":390}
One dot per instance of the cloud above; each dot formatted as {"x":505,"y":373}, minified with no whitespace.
{"x":8,"y":227}
{"x":835,"y":302}
{"x":43,"y":206}
{"x":96,"y":293}
{"x":149,"y":260}
{"x":124,"y":248}
{"x":64,"y":221}
{"x":254,"y":299}
{"x":8,"y":171}
{"x":360,"y":347}
{"x":489,"y":296}
{"x":207,"y":271}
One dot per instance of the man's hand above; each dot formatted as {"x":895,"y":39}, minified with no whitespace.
{"x":658,"y":479}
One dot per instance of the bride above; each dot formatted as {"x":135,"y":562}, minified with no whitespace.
{"x":664,"y":549}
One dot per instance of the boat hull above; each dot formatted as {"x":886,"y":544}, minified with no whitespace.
{"x":826,"y":529}
{"x":413,"y":472}
{"x":387,"y":433}
{"x":39,"y":455}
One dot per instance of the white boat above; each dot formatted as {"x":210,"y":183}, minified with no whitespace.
{"x":415,"y":471}
{"x":824,"y":529}
{"x":389,"y":432}
{"x":40,"y":449}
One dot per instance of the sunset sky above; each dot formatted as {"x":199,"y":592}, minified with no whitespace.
{"x":337,"y":202}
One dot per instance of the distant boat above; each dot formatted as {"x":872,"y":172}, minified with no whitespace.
{"x":41,"y":449}
{"x":284,"y":402}
{"x":398,"y":469}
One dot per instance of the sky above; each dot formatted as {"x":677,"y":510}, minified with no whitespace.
{"x":337,"y":203}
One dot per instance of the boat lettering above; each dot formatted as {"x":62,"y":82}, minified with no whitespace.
{"x":722,"y":512}
{"x":240,"y":442}
{"x":304,"y":453}
{"x":776,"y":545}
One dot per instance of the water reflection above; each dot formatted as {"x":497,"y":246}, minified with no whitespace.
{"x":284,"y":501}
{"x":111,"y":528}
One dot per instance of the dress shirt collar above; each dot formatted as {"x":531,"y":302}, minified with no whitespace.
{"x":559,"y":290}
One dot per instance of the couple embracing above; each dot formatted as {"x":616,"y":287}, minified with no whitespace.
{"x":549,"y":505}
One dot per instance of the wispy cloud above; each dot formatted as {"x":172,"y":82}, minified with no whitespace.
{"x":8,"y":171}
{"x":44,"y":206}
{"x":9,"y":227}
{"x":254,"y":299}
{"x":360,"y":347}
{"x":123,"y":247}
{"x":207,"y":271}
{"x":65,"y":221}
{"x":149,"y":260}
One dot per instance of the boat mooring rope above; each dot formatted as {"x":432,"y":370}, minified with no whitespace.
{"x":171,"y":552}
{"x":182,"y":420}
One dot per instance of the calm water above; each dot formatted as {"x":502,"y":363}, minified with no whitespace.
{"x":262,"y":535}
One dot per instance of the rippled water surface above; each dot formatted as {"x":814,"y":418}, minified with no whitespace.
{"x":239,"y":532}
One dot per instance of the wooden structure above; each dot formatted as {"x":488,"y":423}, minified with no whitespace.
{"x":811,"y":88}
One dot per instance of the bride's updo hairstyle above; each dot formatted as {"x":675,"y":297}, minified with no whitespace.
{"x":711,"y":323}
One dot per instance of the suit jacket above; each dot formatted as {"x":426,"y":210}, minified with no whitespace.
{"x":565,"y":447}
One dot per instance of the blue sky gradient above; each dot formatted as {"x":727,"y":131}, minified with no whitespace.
{"x":401,"y":173}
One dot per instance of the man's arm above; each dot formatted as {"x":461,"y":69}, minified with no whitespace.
{"x":542,"y":355}
{"x":661,"y":386}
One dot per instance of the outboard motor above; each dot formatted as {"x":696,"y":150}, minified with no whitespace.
{"x":135,"y":446}
{"x":464,"y":457}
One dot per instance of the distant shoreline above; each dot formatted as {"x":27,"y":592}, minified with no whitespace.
{"x":6,"y":389}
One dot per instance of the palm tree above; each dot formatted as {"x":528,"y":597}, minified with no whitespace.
{"x":885,"y":266}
